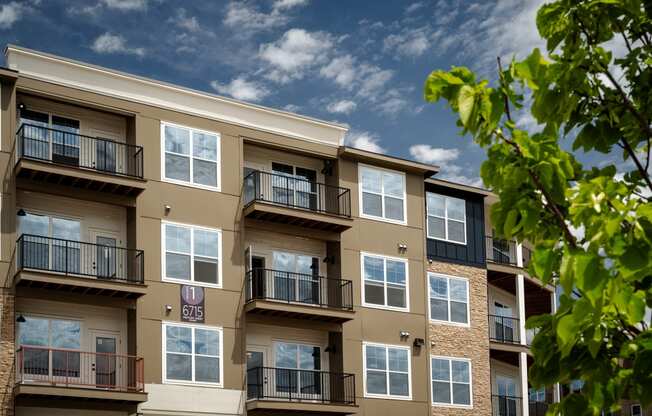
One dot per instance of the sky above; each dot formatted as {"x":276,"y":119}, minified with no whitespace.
{"x":362,"y":63}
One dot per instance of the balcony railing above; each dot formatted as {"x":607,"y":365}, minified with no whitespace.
{"x":504,"y":329}
{"x":506,"y":405}
{"x":72,"y":368}
{"x":501,"y":251}
{"x":76,"y":258}
{"x":300,"y":385}
{"x":537,"y":408}
{"x":277,"y":285}
{"x":72,"y":149}
{"x":295,"y":192}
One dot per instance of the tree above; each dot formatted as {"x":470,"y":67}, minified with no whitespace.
{"x":591,"y":226}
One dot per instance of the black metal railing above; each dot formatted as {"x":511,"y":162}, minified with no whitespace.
{"x":300,"y":385}
{"x":79,"y":259}
{"x":278,"y":285}
{"x":537,"y":408}
{"x":504,"y":329}
{"x":73,"y":149}
{"x":506,"y":405}
{"x":501,"y":251}
{"x":296,"y":193}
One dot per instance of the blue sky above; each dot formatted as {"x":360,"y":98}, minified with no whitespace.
{"x":362,"y":63}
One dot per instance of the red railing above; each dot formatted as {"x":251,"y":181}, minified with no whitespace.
{"x":73,"y":368}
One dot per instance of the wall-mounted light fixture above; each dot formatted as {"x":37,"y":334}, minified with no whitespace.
{"x":21,"y":213}
{"x":404,"y":334}
{"x":168,"y":309}
{"x":21,"y":106}
{"x":167,"y":209}
{"x":21,"y":319}
{"x":418,"y":342}
{"x":402,"y":247}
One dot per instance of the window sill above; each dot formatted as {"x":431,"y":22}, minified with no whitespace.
{"x":382,"y":219}
{"x":448,"y":323}
{"x":385,"y":308}
{"x":192,"y":185}
{"x":192,"y":283}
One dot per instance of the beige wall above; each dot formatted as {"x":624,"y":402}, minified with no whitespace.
{"x":499,"y":368}
{"x":470,"y":342}
{"x":503,"y":297}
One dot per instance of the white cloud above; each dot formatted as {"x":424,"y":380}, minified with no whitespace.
{"x":341,"y":70}
{"x":10,"y":13}
{"x":363,"y":140}
{"x":183,"y":21}
{"x":108,"y":43}
{"x":296,"y":51}
{"x":413,"y":7}
{"x":425,"y":153}
{"x":409,"y":42}
{"x":288,"y":4}
{"x":243,"y":16}
{"x":341,"y":107}
{"x":293,"y":108}
{"x":242,"y":89}
{"x":373,"y":80}
{"x":125,"y":5}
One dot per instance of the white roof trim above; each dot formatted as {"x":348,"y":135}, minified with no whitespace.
{"x":83,"y":76}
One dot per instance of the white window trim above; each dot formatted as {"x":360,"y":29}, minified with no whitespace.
{"x":364,"y":371}
{"x":450,"y":359}
{"x":219,"y":329}
{"x":190,"y":183}
{"x":445,"y":218}
{"x":468,"y":300}
{"x":364,"y":254}
{"x":192,"y":282}
{"x":362,"y":166}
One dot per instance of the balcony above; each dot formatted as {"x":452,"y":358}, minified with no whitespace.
{"x":504,"y":329}
{"x":43,"y":372}
{"x":293,"y":201}
{"x":284,"y":391}
{"x":537,"y":408}
{"x":506,"y":405}
{"x":56,"y":157}
{"x":501,"y":251}
{"x":295,"y":295}
{"x":78,"y":267}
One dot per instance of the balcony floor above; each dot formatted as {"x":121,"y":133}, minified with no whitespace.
{"x":281,"y":408}
{"x":29,"y":392}
{"x":306,"y":218}
{"x":296,"y":310}
{"x":79,"y":178}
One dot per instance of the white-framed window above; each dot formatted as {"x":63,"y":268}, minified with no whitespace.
{"x":190,"y":156}
{"x":191,"y":254}
{"x":382,"y":194}
{"x":192,"y":354}
{"x":449,"y":299}
{"x":387,"y":371}
{"x":636,"y":410}
{"x":446,"y":218}
{"x":385,"y":282}
{"x":451,"y":381}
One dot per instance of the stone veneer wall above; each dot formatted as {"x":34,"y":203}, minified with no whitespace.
{"x":7,"y":347}
{"x":466,"y":342}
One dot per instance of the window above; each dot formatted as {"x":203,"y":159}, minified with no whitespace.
{"x":42,"y":333}
{"x":636,"y":410}
{"x":449,"y":299}
{"x":50,"y":243}
{"x":294,"y":186}
{"x":446,"y":218}
{"x":191,"y":156}
{"x":298,"y":369}
{"x":192,"y":254}
{"x":385,"y":282}
{"x":382,"y":194}
{"x":60,"y":144}
{"x":387,"y":371}
{"x":451,"y":381}
{"x":192,"y":354}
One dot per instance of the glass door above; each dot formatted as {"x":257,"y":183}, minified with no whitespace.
{"x":508,"y":400}
{"x":105,"y":365}
{"x":504,"y":322}
{"x":65,"y":140}
{"x":298,"y":370}
{"x":294,"y":186}
{"x":256,"y":379}
{"x":106,"y":262}
{"x":296,"y":277}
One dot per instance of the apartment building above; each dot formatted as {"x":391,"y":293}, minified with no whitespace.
{"x":169,"y":252}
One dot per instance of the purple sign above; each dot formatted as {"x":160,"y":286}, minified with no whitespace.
{"x":192,"y":304}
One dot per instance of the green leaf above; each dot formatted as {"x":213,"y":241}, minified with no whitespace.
{"x":466,"y":102}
